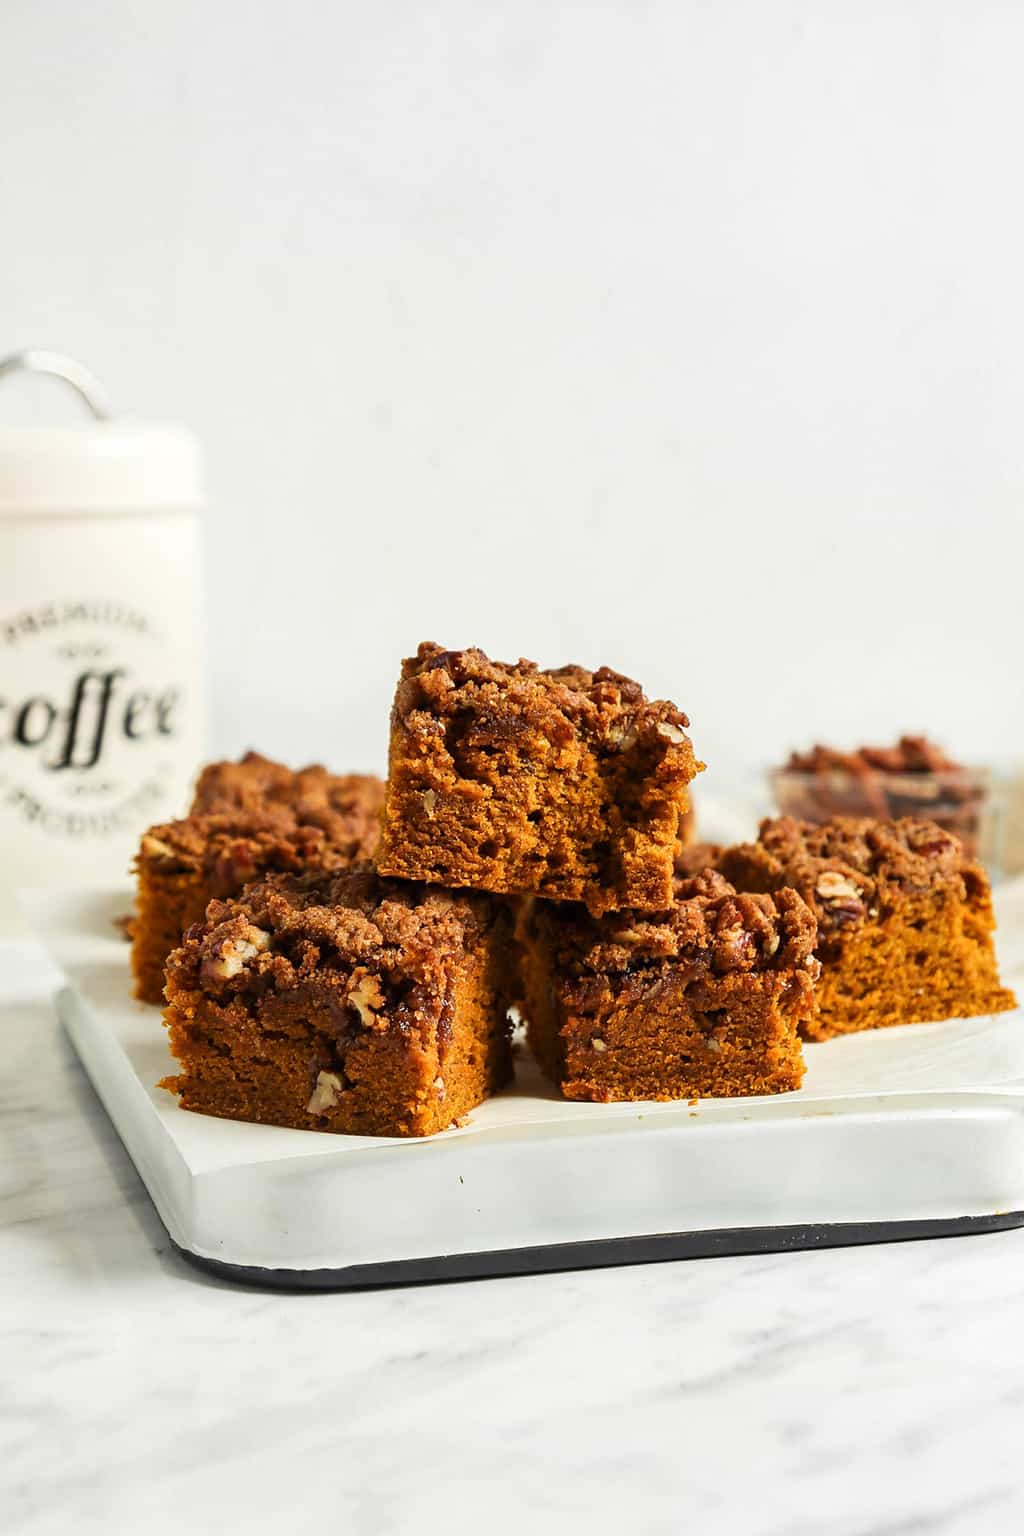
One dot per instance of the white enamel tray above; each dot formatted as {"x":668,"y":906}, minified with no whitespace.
{"x":897,"y":1133}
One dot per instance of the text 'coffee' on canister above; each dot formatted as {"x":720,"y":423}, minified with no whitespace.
{"x":101,"y":709}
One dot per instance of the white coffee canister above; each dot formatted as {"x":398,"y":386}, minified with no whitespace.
{"x":101,"y":634}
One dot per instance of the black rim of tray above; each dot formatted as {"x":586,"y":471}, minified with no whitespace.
{"x":604,"y":1253}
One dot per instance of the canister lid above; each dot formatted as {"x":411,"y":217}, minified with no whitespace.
{"x":107,"y":464}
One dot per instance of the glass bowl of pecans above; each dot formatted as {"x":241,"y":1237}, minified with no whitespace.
{"x":913,"y":778}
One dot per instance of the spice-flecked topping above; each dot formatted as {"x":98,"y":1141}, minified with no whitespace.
{"x":352,"y":930}
{"x":711,"y":926}
{"x":465,"y":690}
{"x":238,"y":845}
{"x":850,"y":868}
{"x":256,"y":782}
{"x":256,"y":816}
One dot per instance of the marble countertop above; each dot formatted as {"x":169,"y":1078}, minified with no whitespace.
{"x":848,"y":1391}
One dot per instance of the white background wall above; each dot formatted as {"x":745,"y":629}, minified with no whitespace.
{"x":683,"y":336}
